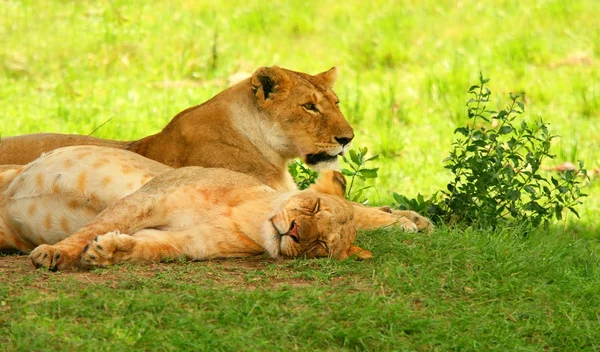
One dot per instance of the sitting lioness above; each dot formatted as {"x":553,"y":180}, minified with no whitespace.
{"x":149,"y":212}
{"x":254,"y":127}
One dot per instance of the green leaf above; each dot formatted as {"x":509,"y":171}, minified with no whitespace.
{"x":369,"y":173}
{"x":574,"y":211}
{"x":356,"y":196}
{"x":462,"y":130}
{"x":558,"y":211}
{"x":347,"y":172}
{"x":505,"y":130}
{"x":501,"y":115}
{"x":523,"y":126}
{"x":372,"y":158}
{"x":514,"y":194}
{"x":547,"y":190}
{"x":481,"y":143}
{"x":399,"y":198}
{"x":354,"y":157}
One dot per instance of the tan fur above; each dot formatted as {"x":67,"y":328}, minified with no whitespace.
{"x":255,"y":127}
{"x":193,"y":212}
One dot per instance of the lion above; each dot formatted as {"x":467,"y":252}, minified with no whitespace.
{"x":101,"y":206}
{"x":254,"y":127}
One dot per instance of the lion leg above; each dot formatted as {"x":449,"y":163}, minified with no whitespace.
{"x":198,"y":242}
{"x":145,"y":246}
{"x":367,"y":218}
{"x":9,"y":241}
{"x":128,"y":215}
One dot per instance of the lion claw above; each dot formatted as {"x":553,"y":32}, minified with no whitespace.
{"x":49,"y":257}
{"x":101,"y":250}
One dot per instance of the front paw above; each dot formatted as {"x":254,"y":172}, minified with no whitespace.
{"x":407,"y":225}
{"x":422,"y":223}
{"x":107,"y":249}
{"x":53,"y":257}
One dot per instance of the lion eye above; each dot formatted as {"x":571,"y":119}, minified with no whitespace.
{"x":310,"y":107}
{"x":317,"y":206}
{"x":324,"y":246}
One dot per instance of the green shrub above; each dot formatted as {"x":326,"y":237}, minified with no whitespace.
{"x":496,"y":166}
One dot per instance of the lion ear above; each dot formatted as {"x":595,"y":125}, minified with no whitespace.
{"x":268,"y":80}
{"x":361,"y":254}
{"x":329,"y":77}
{"x":330,"y":182}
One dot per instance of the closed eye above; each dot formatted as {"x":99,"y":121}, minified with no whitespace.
{"x":325,"y":247}
{"x":310,"y":107}
{"x":317,"y":206}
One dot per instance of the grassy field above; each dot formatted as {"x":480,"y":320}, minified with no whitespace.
{"x":123,"y":69}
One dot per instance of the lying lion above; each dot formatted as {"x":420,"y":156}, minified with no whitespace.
{"x":254,"y":127}
{"x":150,"y":212}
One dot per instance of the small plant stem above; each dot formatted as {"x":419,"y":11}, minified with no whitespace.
{"x":351,"y":183}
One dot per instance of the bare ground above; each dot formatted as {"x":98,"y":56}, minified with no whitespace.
{"x":229,"y":272}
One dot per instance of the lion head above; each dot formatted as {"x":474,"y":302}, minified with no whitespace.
{"x":304,"y":111}
{"x":314,"y":223}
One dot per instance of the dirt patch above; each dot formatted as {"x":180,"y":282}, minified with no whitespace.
{"x":13,"y":264}
{"x":246,"y":273}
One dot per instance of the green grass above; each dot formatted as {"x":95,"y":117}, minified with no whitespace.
{"x":405,"y":68}
{"x":452,"y":290}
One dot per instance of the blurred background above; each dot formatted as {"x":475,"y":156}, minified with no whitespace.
{"x":123,"y":69}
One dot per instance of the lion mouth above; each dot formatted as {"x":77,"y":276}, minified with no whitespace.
{"x":292,"y":232}
{"x":313,"y":159}
{"x":287,"y":239}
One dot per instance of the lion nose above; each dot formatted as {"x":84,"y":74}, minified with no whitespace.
{"x":344,"y":140}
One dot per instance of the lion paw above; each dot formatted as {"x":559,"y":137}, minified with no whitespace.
{"x":107,"y":249}
{"x":422,"y":223}
{"x":407,"y":225}
{"x":53,"y":257}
